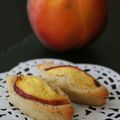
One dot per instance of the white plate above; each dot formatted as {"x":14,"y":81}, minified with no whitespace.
{"x":106,"y":76}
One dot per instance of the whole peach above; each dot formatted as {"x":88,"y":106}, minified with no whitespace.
{"x":66,"y":24}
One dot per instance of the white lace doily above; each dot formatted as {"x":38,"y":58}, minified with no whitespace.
{"x":106,"y":76}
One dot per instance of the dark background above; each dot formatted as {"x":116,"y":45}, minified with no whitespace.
{"x":18,"y":43}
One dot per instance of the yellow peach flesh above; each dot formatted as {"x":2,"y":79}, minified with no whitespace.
{"x":36,"y":87}
{"x":79,"y":77}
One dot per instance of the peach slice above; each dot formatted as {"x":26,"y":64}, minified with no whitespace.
{"x":34,"y":88}
{"x":79,"y":77}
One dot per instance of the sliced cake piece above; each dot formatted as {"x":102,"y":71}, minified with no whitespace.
{"x":78,"y":85}
{"x":37,"y":99}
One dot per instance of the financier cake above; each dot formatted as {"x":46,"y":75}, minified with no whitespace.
{"x":80,"y":86}
{"x":38,"y":99}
